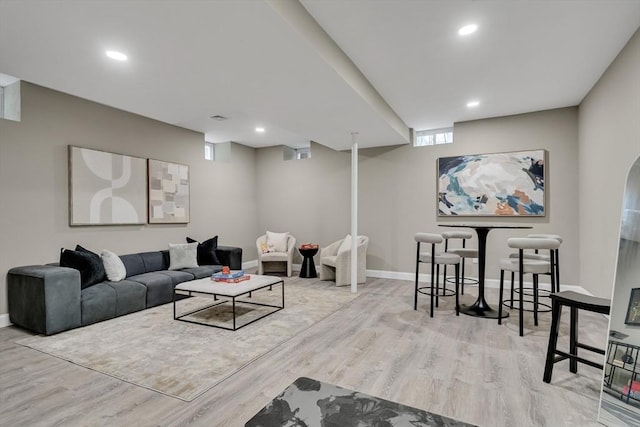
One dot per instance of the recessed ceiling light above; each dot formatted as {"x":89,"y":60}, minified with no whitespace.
{"x":473,"y":104}
{"x":114,"y":54}
{"x":467,"y":29}
{"x":259,"y":129}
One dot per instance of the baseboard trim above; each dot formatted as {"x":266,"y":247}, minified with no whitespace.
{"x":489,"y":283}
{"x":250,"y":264}
{"x":4,"y":320}
{"x":381,"y":274}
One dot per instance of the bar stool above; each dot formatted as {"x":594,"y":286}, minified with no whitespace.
{"x":527,"y":266}
{"x":434,"y":259}
{"x":545,"y":257}
{"x":464,"y":253}
{"x":576,"y":302}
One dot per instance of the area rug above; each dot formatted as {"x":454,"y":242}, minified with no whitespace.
{"x":184,"y":360}
{"x":312,"y":403}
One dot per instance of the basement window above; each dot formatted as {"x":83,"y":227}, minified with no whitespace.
{"x":433,"y":137}
{"x":9,"y":98}
{"x":209,"y":151}
{"x":300,"y":153}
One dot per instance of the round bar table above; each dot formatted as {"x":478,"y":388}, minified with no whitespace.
{"x":480,"y":308}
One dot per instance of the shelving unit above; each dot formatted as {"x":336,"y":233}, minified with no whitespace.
{"x":622,"y":372}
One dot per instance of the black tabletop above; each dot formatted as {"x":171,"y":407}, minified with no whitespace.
{"x":483,"y":225}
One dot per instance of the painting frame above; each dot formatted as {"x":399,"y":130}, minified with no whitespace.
{"x":633,"y":310}
{"x":168,"y":192}
{"x":106,"y":188}
{"x":501,"y":184}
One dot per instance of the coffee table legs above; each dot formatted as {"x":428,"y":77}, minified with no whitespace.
{"x":232,"y":299}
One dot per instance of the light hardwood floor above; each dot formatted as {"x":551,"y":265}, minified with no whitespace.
{"x":463,"y":367}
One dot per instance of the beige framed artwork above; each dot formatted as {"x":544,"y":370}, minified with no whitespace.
{"x":106,"y":188}
{"x":168,"y":192}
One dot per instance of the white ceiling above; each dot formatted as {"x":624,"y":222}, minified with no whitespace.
{"x":189,"y":60}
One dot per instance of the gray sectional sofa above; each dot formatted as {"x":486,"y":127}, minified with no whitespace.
{"x":49,"y":299}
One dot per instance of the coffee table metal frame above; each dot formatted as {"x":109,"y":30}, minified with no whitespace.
{"x":217,"y":290}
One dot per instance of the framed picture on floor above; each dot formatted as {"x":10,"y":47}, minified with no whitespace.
{"x":633,"y":311}
{"x":495,"y":184}
{"x":168,"y":192}
{"x":106,"y":188}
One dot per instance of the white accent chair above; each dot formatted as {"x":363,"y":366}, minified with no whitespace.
{"x":268,"y":259}
{"x":335,"y":261}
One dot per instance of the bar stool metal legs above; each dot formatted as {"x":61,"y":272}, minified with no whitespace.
{"x":435,"y":260}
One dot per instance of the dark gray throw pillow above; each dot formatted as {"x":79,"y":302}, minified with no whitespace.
{"x":207,"y":251}
{"x":88,"y":263}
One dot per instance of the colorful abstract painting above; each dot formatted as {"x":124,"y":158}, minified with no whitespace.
{"x":106,"y":188}
{"x":168,"y":192}
{"x":503,"y":184}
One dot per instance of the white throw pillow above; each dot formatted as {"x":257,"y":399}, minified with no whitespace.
{"x":183,"y":255}
{"x":113,"y":266}
{"x":277,"y":242}
{"x":346,"y":244}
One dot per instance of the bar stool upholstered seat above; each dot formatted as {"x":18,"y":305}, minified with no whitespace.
{"x":435,"y":259}
{"x":545,"y":257}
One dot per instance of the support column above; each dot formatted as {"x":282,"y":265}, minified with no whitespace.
{"x":354,"y":212}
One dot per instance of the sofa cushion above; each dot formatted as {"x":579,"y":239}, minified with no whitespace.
{"x":203,"y":271}
{"x":98,"y":303}
{"x":130,"y":296}
{"x":90,"y":268}
{"x":113,"y":266}
{"x":153,"y":261}
{"x":183,"y":255}
{"x":159,"y":287}
{"x":207,"y":251}
{"x":134,"y":264}
{"x":178,"y":276}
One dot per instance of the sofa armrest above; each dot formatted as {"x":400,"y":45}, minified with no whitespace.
{"x":44,"y":298}
{"x":231,"y":256}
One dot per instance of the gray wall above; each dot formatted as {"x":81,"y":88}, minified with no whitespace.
{"x":311,"y":198}
{"x":398,"y":187}
{"x":33,"y":181}
{"x":257,"y":190}
{"x":609,"y":128}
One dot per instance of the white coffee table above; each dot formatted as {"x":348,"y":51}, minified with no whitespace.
{"x":230,"y":291}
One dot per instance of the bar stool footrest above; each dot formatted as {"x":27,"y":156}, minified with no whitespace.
{"x":516,"y":305}
{"x":467,"y":280}
{"x":576,"y":358}
{"x":426,"y":290}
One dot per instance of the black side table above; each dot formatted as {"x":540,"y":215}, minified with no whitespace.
{"x":308,"y":270}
